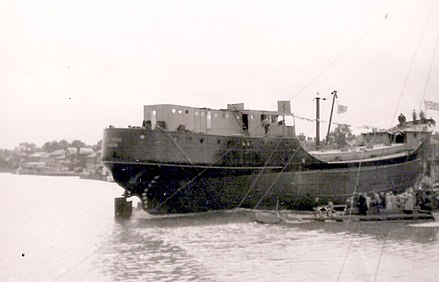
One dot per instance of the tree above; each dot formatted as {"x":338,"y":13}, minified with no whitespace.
{"x":27,"y":147}
{"x":52,"y":146}
{"x":98,"y":146}
{"x":77,"y":143}
{"x":63,"y":144}
{"x":340,"y":136}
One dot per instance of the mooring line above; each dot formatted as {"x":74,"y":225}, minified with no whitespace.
{"x":203,"y":171}
{"x":103,"y":244}
{"x":277,"y":177}
{"x":259,"y":174}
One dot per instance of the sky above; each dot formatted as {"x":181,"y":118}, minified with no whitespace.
{"x":71,"y":68}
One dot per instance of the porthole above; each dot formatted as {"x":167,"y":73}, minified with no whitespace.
{"x":201,"y":140}
{"x":173,"y":111}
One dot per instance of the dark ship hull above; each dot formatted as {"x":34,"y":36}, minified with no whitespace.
{"x":180,"y":172}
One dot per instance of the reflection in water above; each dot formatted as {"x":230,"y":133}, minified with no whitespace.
{"x":140,"y":248}
{"x":228,"y":246}
{"x":132,"y":254}
{"x":66,"y":229}
{"x":391,"y":230}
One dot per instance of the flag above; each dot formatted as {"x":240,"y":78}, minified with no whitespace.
{"x":429,"y":105}
{"x":284,"y":107}
{"x":341,"y":109}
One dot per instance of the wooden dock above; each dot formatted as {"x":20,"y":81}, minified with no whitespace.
{"x":293,"y":217}
{"x":384,"y":217}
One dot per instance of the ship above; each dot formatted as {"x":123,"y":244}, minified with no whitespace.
{"x":186,"y":159}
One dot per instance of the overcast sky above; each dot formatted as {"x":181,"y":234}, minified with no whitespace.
{"x":70,"y":68}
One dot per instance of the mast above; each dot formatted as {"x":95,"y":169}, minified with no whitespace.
{"x":318,"y":121}
{"x":334,"y":93}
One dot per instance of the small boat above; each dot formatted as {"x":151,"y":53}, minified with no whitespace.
{"x":267,"y":217}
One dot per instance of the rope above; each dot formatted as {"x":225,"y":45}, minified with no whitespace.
{"x":176,"y":144}
{"x":413,"y":60}
{"x":429,"y":70}
{"x":257,"y":177}
{"x":201,"y":172}
{"x":341,"y":54}
{"x":277,"y":177}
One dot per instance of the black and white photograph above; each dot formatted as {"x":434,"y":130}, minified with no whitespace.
{"x":209,"y":140}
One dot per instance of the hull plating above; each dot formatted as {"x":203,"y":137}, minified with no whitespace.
{"x":175,"y":188}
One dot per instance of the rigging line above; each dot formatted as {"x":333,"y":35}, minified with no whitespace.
{"x":381,"y":255}
{"x":77,"y":264}
{"x":277,"y":177}
{"x":337,"y":123}
{"x":89,"y":255}
{"x":201,"y":172}
{"x":340,"y":56}
{"x":349,"y":220}
{"x":429,"y":70}
{"x":350,"y":214}
{"x":352,"y":68}
{"x":167,"y":134}
{"x":259,"y":175}
{"x":413,"y":60}
{"x":347,"y":224}
{"x":193,"y":179}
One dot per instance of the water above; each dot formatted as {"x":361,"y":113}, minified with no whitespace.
{"x":63,"y":229}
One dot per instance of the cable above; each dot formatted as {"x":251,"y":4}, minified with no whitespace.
{"x":342,"y":54}
{"x":413,"y":60}
{"x":429,"y":70}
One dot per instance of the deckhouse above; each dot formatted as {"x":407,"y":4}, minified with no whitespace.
{"x":235,"y":120}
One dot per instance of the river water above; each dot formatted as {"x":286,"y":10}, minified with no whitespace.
{"x":63,"y":229}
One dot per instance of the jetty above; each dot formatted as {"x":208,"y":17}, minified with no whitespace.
{"x":296,"y":217}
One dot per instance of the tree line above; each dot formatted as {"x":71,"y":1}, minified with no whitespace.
{"x":52,"y":146}
{"x":9,"y":159}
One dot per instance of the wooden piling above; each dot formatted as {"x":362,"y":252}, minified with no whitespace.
{"x":122,"y":208}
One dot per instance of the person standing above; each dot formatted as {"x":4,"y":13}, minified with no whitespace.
{"x":265,"y":125}
{"x":389,"y":205}
{"x":394,"y":201}
{"x":409,"y":204}
{"x":362,"y":205}
{"x":376,"y":202}
{"x":422,"y":117}
{"x":414,"y":117}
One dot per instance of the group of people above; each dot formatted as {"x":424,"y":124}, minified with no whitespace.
{"x":375,"y":202}
{"x":422,"y":119}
